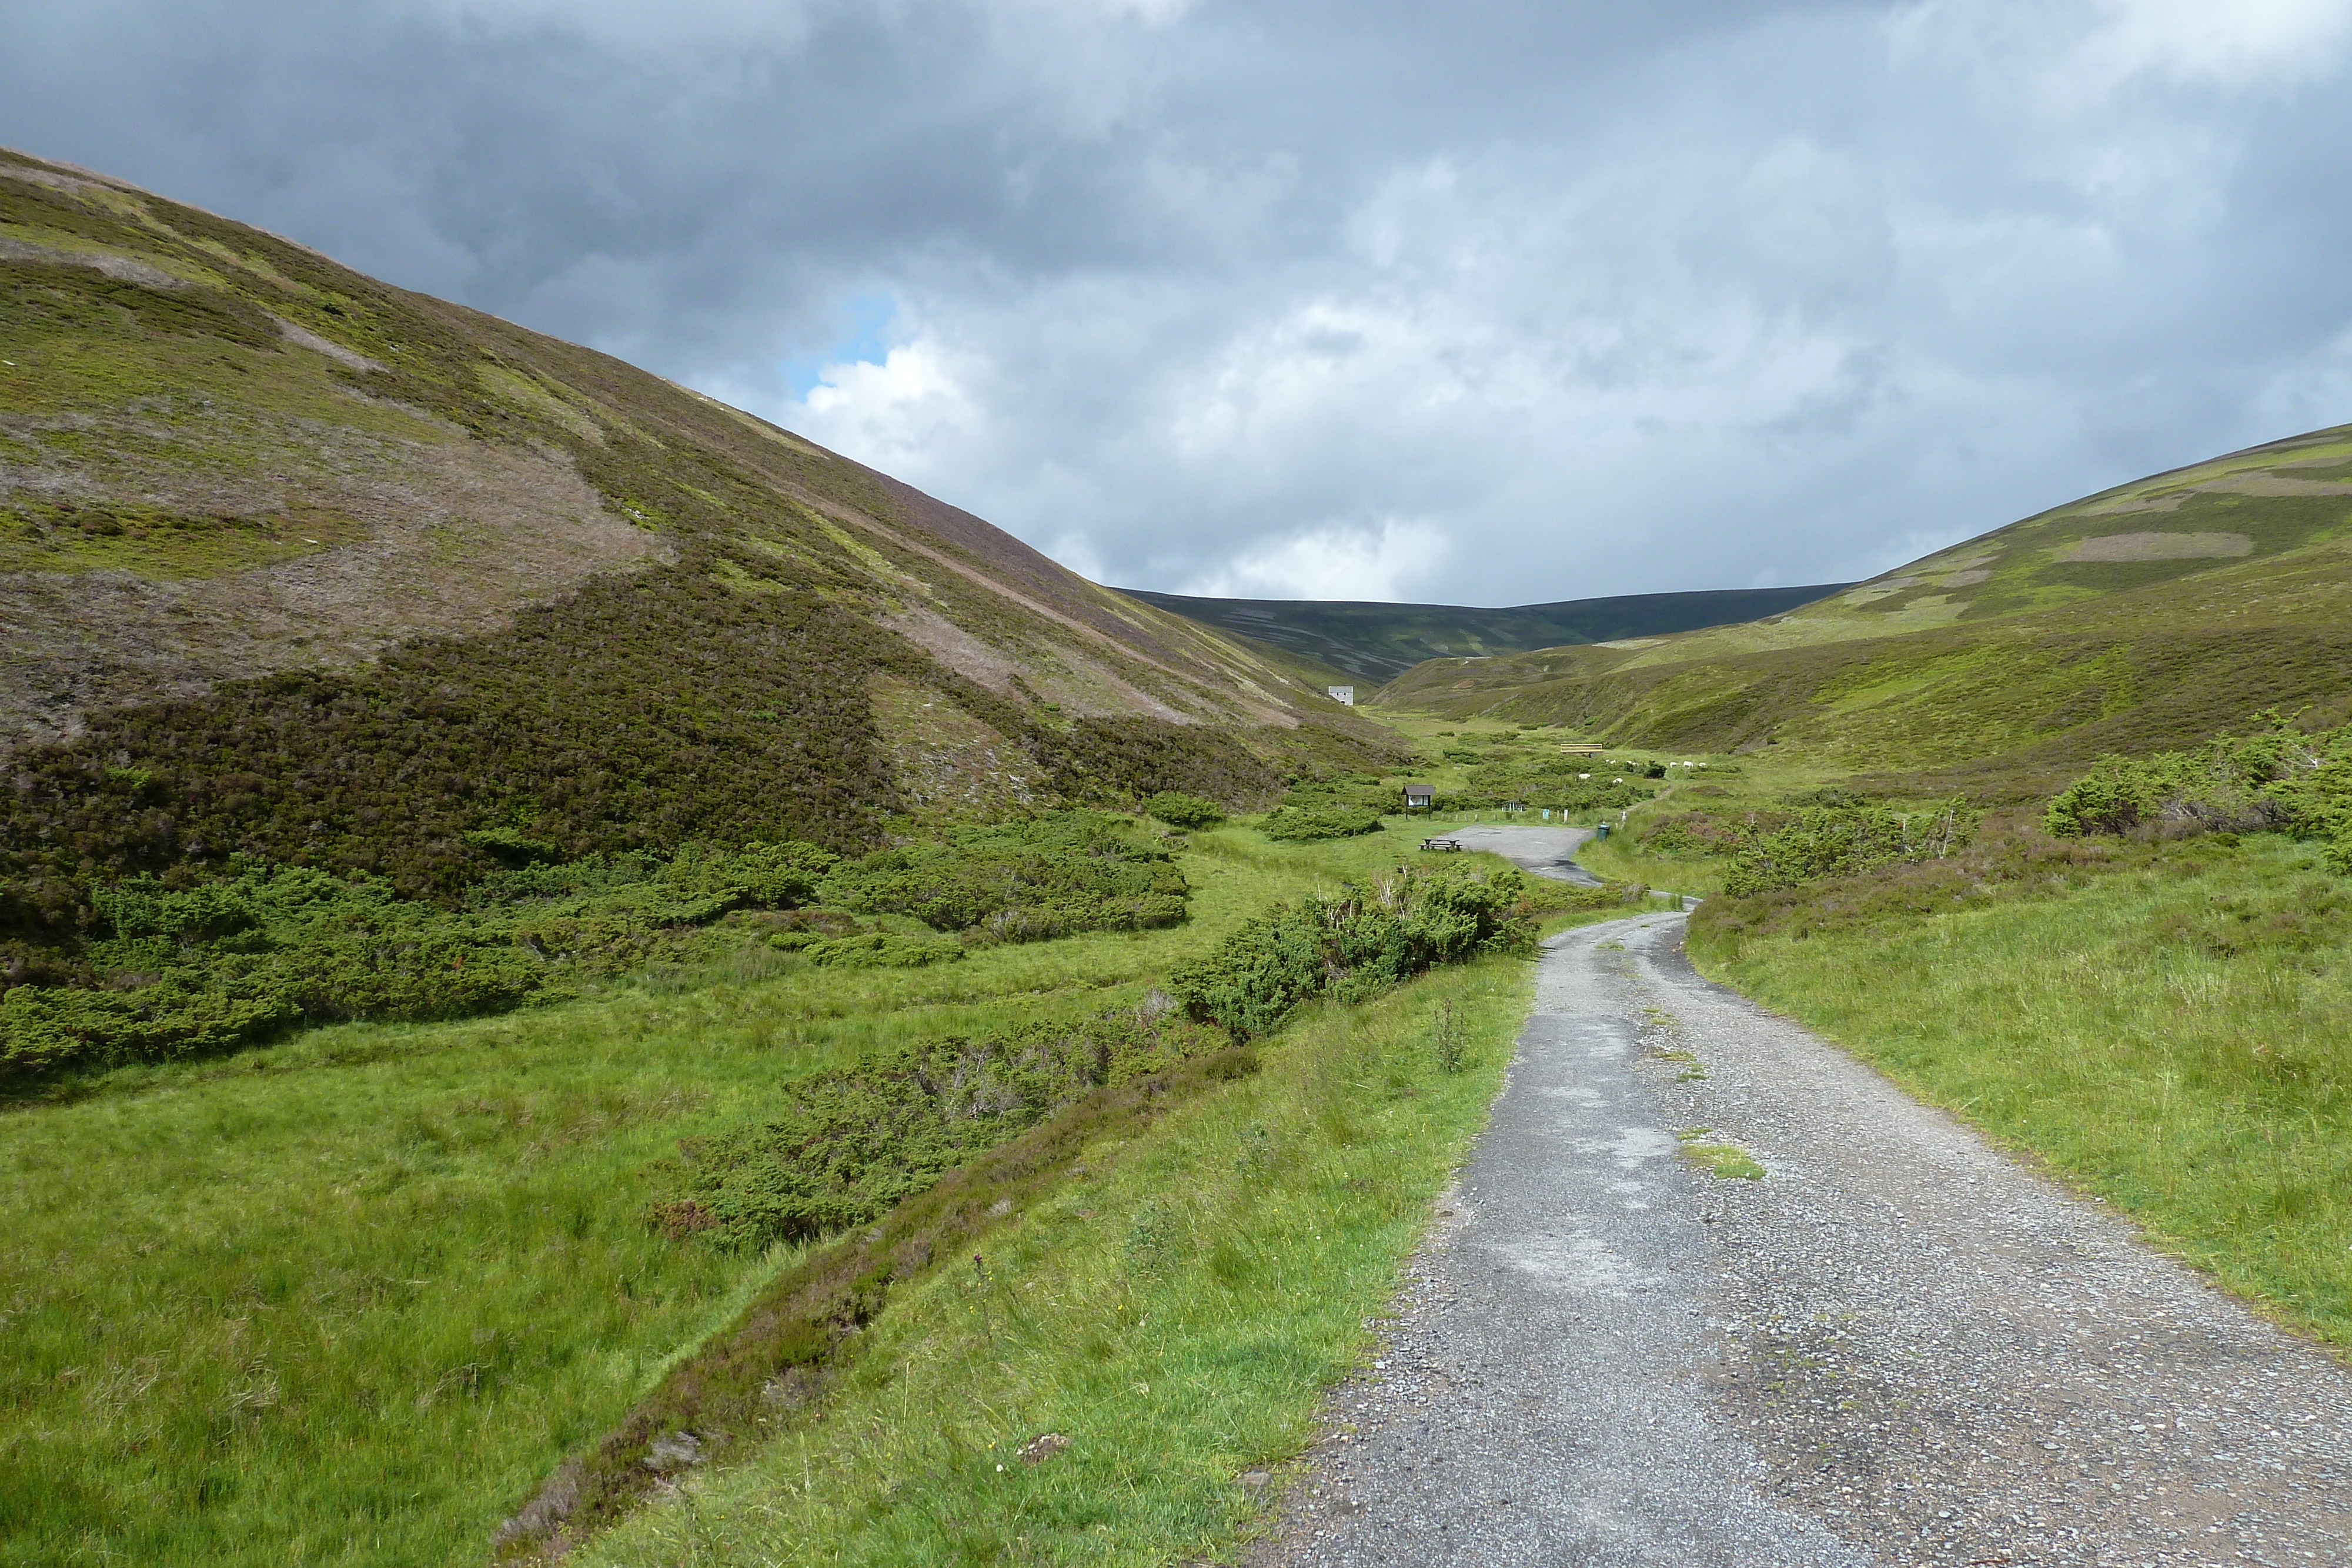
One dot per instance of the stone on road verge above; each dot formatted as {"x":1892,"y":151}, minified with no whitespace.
{"x":1897,"y":1347}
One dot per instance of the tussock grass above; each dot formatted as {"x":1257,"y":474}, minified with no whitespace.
{"x":2174,"y":1035}
{"x":1175,"y":1310}
{"x":350,"y":1298}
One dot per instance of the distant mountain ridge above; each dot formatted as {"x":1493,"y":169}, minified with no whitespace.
{"x":1379,"y":642}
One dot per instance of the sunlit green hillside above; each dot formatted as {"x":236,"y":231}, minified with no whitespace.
{"x":2150,"y":615}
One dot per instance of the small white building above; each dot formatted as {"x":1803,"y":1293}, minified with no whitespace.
{"x":1419,"y":797}
{"x":1342,"y":695}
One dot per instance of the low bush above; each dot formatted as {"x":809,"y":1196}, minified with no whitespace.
{"x":178,"y":971}
{"x":2280,"y":780}
{"x":1693,"y":835}
{"x":848,"y":1146}
{"x":1585,"y":794}
{"x":881,"y":950}
{"x":1023,"y":881}
{"x":1351,"y":947}
{"x":1813,"y":838}
{"x":1305,"y":824}
{"x":1121,"y":759}
{"x":175,"y":970}
{"x":1179,"y":810}
{"x":1831,"y":841}
{"x":1339,"y":808}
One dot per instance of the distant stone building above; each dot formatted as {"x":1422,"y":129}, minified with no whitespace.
{"x":1342,"y":695}
{"x":1417,"y":797}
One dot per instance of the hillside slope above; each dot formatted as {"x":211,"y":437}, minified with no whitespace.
{"x":2146,"y":616}
{"x":296,"y":564}
{"x":1378,"y":641}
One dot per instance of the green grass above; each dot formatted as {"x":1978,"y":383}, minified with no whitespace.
{"x":326,"y":1310}
{"x":1726,"y":1162}
{"x":348,"y":1298}
{"x":2173,"y":1033}
{"x":1174,"y":1311}
{"x":162,"y":546}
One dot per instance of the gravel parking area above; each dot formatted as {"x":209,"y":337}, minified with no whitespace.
{"x":1896,"y":1346}
{"x":1547,"y":852}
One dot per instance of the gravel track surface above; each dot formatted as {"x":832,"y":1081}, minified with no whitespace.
{"x":1898,"y":1346}
{"x":1547,"y":852}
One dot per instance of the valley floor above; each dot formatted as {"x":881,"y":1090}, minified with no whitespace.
{"x":1896,"y":1345}
{"x":350,"y":1298}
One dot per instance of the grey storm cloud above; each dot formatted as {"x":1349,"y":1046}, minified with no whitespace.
{"x":1487,"y":303}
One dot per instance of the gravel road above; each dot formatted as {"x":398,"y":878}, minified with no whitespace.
{"x":1547,"y":852}
{"x":1896,"y":1347}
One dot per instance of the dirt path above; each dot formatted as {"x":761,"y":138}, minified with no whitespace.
{"x":1898,"y":1347}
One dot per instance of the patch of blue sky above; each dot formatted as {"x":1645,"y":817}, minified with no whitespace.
{"x":865,"y":341}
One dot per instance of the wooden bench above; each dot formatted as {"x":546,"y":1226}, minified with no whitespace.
{"x":1440,"y":844}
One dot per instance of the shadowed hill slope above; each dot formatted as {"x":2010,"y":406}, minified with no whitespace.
{"x":2146,"y":616}
{"x":1377,"y":642}
{"x":296,"y":564}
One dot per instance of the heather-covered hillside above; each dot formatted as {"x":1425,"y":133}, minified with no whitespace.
{"x":300,"y":566}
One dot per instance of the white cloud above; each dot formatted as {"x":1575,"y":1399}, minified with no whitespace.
{"x":1489,"y":304}
{"x":894,"y":415}
{"x":1369,"y":563}
{"x":2232,"y":42}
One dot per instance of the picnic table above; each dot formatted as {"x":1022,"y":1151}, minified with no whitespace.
{"x":1440,"y":844}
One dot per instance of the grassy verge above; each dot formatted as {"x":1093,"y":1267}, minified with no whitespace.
{"x":1173,"y":1311}
{"x":348,"y":1298}
{"x":2174,"y":1034}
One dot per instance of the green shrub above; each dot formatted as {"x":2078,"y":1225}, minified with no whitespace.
{"x":1179,"y":810}
{"x":43,"y":1028}
{"x":1303,"y":824}
{"x":1024,"y":881}
{"x":1691,"y":835}
{"x":1830,"y":840}
{"x":881,"y":950}
{"x":847,"y":1146}
{"x":1352,"y":946}
{"x":176,"y":970}
{"x":2280,"y":780}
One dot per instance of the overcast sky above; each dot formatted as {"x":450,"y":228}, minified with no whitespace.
{"x":1388,"y":299}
